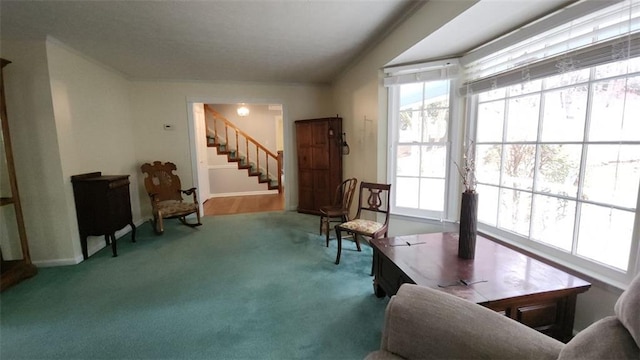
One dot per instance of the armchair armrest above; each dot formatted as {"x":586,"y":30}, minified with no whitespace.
{"x":425,"y":323}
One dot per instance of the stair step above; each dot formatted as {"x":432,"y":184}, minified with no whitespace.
{"x":273,"y":184}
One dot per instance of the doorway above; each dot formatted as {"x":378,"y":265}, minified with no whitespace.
{"x":224,"y":185}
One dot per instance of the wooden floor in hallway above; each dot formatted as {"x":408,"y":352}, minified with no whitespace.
{"x":243,"y":204}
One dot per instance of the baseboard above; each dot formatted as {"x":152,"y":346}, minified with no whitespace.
{"x":245,"y":193}
{"x":58,"y":262}
{"x":92,"y":249}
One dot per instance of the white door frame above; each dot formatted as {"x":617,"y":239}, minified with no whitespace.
{"x":196,"y":141}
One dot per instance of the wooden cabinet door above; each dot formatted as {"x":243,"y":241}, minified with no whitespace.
{"x":320,"y":146}
{"x":304,"y":139}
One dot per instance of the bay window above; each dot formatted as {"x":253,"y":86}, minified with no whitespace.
{"x":553,"y":113}
{"x":557,"y":137}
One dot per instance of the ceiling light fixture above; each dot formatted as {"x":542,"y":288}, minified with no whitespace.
{"x":243,"y":111}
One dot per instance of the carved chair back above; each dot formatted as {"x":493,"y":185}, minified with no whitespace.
{"x":161,"y":183}
{"x":374,"y":198}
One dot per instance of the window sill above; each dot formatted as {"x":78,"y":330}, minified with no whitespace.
{"x":591,"y":276}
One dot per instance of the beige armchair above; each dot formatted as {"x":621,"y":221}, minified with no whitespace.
{"x":424,"y":323}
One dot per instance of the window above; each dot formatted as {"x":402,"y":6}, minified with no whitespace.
{"x":558,"y":148}
{"x":419,"y":136}
{"x":558,"y":160}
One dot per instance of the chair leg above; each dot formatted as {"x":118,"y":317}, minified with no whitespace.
{"x":324,"y":226}
{"x":373,"y":265}
{"x":339,"y":238}
{"x":355,"y":237}
{"x":157,"y":224}
{"x":327,"y":229}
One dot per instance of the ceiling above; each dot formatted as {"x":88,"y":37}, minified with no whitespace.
{"x":289,"y":41}
{"x":471,"y":28}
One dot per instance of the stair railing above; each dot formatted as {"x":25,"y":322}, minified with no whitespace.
{"x":248,"y":140}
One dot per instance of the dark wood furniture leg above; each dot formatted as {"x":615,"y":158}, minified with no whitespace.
{"x":133,"y":232}
{"x":83,"y":243}
{"x":339,"y":238}
{"x":114,"y":249}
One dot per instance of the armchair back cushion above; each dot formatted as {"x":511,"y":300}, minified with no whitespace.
{"x":453,"y":328}
{"x":604,"y":339}
{"x":627,"y":309}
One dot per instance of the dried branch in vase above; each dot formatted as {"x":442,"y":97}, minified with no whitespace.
{"x":468,"y":169}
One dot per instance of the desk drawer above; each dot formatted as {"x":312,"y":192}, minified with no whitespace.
{"x":545,"y":316}
{"x":389,"y":276}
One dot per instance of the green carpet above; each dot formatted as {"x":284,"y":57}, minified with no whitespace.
{"x":256,"y":286}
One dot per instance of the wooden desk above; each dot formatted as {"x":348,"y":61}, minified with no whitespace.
{"x":502,"y":279}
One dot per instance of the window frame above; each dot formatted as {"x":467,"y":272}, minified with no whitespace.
{"x":451,"y":180}
{"x":571,"y":259}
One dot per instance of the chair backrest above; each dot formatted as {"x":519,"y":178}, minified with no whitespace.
{"x":374,"y":198}
{"x":343,"y":196}
{"x":161,"y":183}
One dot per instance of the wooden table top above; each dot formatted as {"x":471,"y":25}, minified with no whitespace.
{"x":496,"y":273}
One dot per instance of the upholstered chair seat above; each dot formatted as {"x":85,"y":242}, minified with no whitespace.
{"x":362,"y":226}
{"x":176,"y":207}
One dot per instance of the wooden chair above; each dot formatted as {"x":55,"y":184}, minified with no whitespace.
{"x":374,"y":198}
{"x":338,"y":211}
{"x":164,"y":189}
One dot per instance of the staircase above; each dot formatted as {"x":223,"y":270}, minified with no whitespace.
{"x":242,"y":149}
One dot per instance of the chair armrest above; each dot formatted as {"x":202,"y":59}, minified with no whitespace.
{"x":191,"y":191}
{"x":422,"y":322}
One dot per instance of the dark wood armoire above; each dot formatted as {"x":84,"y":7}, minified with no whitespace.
{"x":319,"y":149}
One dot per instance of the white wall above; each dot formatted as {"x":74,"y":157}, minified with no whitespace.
{"x":93,"y":124}
{"x":68,"y":115}
{"x":36,"y":151}
{"x":155,"y":103}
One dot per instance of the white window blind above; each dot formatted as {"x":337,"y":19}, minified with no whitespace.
{"x":607,"y":35}
{"x":431,"y":71}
